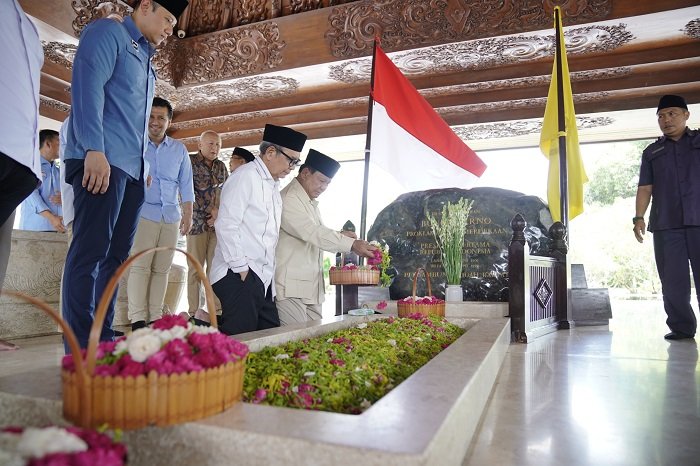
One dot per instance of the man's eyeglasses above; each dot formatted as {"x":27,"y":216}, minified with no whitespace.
{"x":292,"y":161}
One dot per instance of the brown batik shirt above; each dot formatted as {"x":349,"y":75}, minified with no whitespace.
{"x":207,"y":190}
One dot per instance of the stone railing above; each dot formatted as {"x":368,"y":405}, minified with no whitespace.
{"x":539,"y":290}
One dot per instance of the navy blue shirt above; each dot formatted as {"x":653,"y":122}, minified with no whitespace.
{"x":673,"y":170}
{"x":111,"y":94}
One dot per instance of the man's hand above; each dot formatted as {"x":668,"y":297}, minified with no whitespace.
{"x":55,"y":199}
{"x":96,"y":173}
{"x":349,"y":234}
{"x":185,"y":223}
{"x":55,"y":221}
{"x":212,"y":216}
{"x":363,"y":248}
{"x":640,"y":228}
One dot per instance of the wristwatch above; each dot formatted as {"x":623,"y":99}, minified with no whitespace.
{"x":635,"y":219}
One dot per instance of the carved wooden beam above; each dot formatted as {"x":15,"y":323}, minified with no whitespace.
{"x":347,"y":31}
{"x":681,"y":49}
{"x":54,"y":88}
{"x":616,"y":100}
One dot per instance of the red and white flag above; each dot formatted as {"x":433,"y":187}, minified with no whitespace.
{"x":411,"y":141}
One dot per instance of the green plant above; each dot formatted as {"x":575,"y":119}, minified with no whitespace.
{"x":449,"y":235}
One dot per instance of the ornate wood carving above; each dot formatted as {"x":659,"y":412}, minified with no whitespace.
{"x":410,"y":23}
{"x":60,"y":53}
{"x":209,"y":16}
{"x":692,"y":29}
{"x":250,"y":11}
{"x":233,"y":91}
{"x":520,"y":128}
{"x":235,"y":52}
{"x":53,"y":104}
{"x":88,"y":10}
{"x":480,"y":54}
{"x":208,"y":122}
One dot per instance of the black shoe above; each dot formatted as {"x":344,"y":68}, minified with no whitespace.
{"x":677,"y":336}
{"x":138,"y":324}
{"x":118,"y":333}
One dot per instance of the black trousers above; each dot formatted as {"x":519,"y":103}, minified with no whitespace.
{"x":16,"y":183}
{"x":245,"y":305}
{"x":673,"y":249}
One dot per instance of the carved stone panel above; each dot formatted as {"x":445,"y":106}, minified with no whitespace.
{"x":401,"y":24}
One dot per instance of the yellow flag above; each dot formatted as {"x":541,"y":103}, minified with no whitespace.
{"x":549,"y":139}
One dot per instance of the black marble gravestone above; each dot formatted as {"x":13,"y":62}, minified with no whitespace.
{"x":404,"y":227}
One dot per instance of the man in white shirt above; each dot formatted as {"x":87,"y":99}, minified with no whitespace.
{"x":303,"y":238}
{"x":247,"y":230}
{"x":21,"y":59}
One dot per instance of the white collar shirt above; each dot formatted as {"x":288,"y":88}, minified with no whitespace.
{"x":22,"y":57}
{"x":248,"y":224}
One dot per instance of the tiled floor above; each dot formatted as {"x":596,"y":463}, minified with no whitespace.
{"x":598,"y":396}
{"x":617,"y":395}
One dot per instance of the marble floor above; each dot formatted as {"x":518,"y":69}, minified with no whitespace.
{"x":613,"y":395}
{"x":598,"y":396}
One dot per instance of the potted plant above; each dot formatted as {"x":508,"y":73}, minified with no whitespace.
{"x":449,"y":235}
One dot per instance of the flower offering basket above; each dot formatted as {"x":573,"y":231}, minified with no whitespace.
{"x":91,"y":400}
{"x":353,"y":275}
{"x":407,"y":307}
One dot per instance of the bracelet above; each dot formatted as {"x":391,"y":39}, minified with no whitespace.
{"x":636,"y":219}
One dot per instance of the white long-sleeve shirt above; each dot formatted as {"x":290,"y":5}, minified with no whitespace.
{"x":248,"y":224}
{"x":21,"y":59}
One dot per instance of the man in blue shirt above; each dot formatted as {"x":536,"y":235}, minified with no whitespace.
{"x":42,"y":211}
{"x":170,"y":171}
{"x":111,"y":95}
{"x":669,"y":178}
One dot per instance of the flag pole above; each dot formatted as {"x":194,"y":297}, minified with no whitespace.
{"x":368,"y":141}
{"x":563,"y":171}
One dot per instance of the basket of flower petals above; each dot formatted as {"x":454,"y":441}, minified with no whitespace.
{"x":60,"y":446}
{"x":168,"y":373}
{"x":425,"y":305}
{"x":351,"y":274}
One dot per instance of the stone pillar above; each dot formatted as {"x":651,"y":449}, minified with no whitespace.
{"x":35,"y":268}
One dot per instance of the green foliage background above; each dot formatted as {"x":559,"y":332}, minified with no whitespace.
{"x":602,"y":237}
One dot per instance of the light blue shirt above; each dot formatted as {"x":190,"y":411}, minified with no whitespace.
{"x":38,"y":201}
{"x":171,"y":173}
{"x":21,"y":58}
{"x":112,"y":92}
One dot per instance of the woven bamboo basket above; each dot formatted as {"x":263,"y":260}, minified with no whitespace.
{"x":353,"y":277}
{"x":406,"y":309}
{"x":91,"y":401}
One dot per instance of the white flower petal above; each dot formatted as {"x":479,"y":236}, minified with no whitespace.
{"x":282,"y":356}
{"x":309,"y":374}
{"x":143,"y":346}
{"x":36,"y":443}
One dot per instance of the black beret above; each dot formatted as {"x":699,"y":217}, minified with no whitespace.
{"x":244,"y":153}
{"x":671,"y":101}
{"x":322,"y":163}
{"x":176,"y":7}
{"x":285,"y":137}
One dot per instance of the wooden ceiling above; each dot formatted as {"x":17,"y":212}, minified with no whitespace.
{"x":483,"y":64}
